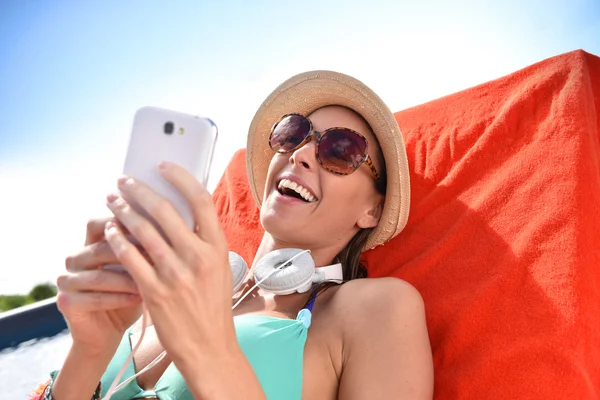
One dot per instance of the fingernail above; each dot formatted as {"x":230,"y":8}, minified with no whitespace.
{"x":124,"y":181}
{"x":110,"y":225}
{"x":164,"y":165}
{"x":111,"y":198}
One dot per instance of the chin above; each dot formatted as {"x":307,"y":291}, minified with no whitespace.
{"x":273,"y":220}
{"x":286,"y":230}
{"x":286,"y":222}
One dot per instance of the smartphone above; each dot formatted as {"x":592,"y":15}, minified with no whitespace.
{"x":162,"y":135}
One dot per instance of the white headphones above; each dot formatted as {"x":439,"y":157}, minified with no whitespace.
{"x":284,"y":271}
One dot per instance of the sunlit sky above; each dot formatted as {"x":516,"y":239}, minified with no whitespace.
{"x":73,"y":73}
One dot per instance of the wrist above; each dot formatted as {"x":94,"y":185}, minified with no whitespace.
{"x":94,"y":352}
{"x":200,"y":360}
{"x":81,"y":372}
{"x":209,"y":376}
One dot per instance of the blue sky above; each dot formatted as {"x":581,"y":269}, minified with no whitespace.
{"x":72,"y":74}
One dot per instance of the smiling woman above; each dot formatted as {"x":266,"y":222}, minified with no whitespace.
{"x":334,"y":183}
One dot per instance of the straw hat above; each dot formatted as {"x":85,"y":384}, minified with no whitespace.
{"x":309,"y":91}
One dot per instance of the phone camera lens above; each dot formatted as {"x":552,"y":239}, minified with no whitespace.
{"x":169,"y":127}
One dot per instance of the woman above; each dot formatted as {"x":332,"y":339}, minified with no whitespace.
{"x":334,"y":192}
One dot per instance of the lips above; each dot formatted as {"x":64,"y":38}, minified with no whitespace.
{"x":292,"y":186}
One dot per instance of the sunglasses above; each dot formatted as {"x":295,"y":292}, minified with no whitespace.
{"x":338,"y":150}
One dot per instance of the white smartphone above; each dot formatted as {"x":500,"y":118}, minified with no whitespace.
{"x":163,"y":135}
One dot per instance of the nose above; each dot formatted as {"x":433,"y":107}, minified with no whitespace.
{"x":305,"y":155}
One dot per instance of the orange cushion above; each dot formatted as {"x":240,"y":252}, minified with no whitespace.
{"x":502,"y":240}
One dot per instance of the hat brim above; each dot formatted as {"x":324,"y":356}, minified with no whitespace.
{"x":309,"y":91}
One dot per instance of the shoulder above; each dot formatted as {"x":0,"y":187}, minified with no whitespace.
{"x":378,"y":309}
{"x":378,"y":297}
{"x":382,"y":327}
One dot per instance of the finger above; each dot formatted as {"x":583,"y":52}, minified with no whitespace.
{"x":160,"y":209}
{"x":91,"y":257}
{"x":97,"y":281}
{"x":131,"y":259}
{"x":94,"y":256}
{"x":208,"y":225}
{"x":95,"y":301}
{"x":95,"y":229}
{"x":159,"y":251}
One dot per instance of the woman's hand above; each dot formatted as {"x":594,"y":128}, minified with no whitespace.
{"x":186,"y":286}
{"x":98,"y":305}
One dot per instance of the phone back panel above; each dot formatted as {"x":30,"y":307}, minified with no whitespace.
{"x":190,"y":145}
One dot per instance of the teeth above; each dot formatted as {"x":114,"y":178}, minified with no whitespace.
{"x":302,"y":191}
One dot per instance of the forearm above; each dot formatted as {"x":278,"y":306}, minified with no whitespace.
{"x":80,"y":374}
{"x":212,"y":379}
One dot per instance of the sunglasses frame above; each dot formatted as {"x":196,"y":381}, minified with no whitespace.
{"x":366,"y":158}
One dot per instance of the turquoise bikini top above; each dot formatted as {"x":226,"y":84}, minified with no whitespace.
{"x":273,"y":346}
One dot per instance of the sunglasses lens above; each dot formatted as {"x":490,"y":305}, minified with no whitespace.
{"x":342,"y":151}
{"x":289,"y":133}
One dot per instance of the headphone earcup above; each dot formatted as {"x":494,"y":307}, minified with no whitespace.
{"x":296,"y":277}
{"x":239,"y":269}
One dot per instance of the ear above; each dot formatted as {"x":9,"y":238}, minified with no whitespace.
{"x":371,"y":217}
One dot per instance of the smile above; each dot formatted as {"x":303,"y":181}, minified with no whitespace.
{"x":287,"y":187}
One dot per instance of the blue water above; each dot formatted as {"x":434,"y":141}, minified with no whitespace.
{"x":22,"y":368}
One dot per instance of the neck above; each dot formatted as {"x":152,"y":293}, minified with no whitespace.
{"x":322,"y":255}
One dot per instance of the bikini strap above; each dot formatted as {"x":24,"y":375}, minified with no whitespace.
{"x":311,"y":303}
{"x":305,"y":315}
